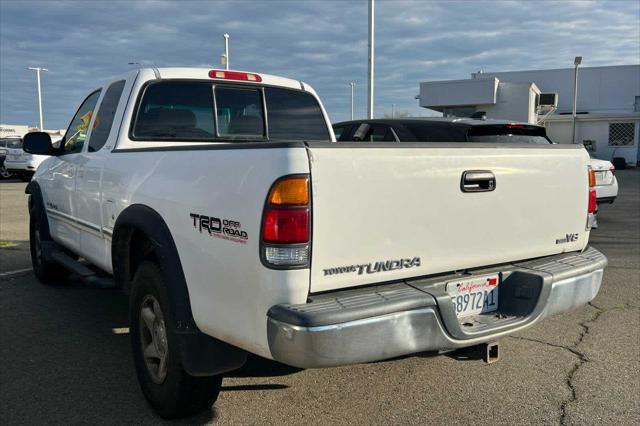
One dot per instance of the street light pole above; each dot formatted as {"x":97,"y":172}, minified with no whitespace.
{"x":371,"y":57}
{"x":577,"y":61}
{"x":37,"y":70}
{"x":226,"y":50}
{"x":352,"y":84}
{"x":393,"y":110}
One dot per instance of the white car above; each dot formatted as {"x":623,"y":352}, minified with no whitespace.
{"x":220,"y":201}
{"x":22,"y":164}
{"x":606,"y":182}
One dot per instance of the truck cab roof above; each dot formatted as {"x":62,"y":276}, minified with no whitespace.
{"x":221,"y":74}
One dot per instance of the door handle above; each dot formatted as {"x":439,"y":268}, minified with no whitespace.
{"x":478,"y":181}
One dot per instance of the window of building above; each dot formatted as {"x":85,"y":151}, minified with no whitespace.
{"x":621,"y":133}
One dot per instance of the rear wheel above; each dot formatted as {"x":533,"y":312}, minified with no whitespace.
{"x":46,"y":271}
{"x":170,"y":390}
{"x":4,"y":173}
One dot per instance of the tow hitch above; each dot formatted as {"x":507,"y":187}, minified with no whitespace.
{"x":490,"y":352}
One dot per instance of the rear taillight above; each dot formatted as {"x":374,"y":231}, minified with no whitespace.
{"x":593,"y":205}
{"x":592,"y":178}
{"x":286,"y":224}
{"x":612,"y":170}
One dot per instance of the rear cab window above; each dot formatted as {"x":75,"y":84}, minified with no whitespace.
{"x":203,"y":111}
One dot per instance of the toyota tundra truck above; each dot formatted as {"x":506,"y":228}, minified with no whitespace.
{"x":220,"y":202}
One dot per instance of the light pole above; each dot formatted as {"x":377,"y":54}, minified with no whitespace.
{"x":577,"y":61}
{"x":37,"y":70}
{"x":371,"y":57}
{"x":393,"y":110}
{"x":353,"y":85}
{"x":225,"y":55}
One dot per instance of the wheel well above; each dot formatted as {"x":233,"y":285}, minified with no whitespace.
{"x":132,"y":248}
{"x":141,"y":248}
{"x":141,"y":234}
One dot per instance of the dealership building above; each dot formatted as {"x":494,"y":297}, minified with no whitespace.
{"x":607,"y":113}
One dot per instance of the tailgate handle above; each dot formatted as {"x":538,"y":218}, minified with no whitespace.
{"x":478,"y":181}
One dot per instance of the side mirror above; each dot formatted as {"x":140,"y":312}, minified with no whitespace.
{"x":38,"y":143}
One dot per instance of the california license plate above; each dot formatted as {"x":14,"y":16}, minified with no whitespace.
{"x":473,"y":296}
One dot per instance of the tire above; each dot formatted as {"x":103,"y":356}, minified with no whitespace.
{"x":46,"y":271}
{"x":4,"y":173}
{"x":168,"y":388}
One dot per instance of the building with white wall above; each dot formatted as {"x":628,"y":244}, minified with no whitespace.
{"x":13,"y":130}
{"x":19,"y":130}
{"x":608,"y":105}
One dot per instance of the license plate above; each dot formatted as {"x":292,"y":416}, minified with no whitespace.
{"x":474,"y":296}
{"x":600,"y":178}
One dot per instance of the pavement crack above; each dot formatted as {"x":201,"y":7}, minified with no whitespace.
{"x":582,"y":358}
{"x":586,"y":329}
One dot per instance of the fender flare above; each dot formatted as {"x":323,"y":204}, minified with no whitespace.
{"x":202,"y":355}
{"x":37,"y":201}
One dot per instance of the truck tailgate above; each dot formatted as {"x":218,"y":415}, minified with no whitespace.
{"x":388,"y":212}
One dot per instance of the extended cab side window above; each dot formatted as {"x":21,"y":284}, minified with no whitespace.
{"x":77,"y":132}
{"x":106,"y":114}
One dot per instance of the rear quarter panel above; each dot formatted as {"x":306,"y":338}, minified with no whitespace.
{"x":229,"y":288}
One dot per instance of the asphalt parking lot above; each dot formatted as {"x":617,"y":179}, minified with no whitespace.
{"x":65,"y":358}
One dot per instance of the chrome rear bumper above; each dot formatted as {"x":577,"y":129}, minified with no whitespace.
{"x":381,"y":322}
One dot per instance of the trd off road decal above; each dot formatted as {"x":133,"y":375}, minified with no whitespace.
{"x":226,"y":229}
{"x":374,"y":267}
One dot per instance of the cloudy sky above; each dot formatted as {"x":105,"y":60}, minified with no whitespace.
{"x":323,"y":43}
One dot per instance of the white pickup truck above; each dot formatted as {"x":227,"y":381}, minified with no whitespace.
{"x":220,"y":202}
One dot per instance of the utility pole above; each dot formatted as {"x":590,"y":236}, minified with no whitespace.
{"x":577,"y":61}
{"x":37,"y":70}
{"x":352,"y":84}
{"x":371,"y":57}
{"x":225,"y":55}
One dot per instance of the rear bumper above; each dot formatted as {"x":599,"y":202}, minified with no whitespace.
{"x":386,"y":321}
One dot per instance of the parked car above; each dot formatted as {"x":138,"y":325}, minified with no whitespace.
{"x":220,"y":201}
{"x":4,"y":173}
{"x":440,"y":129}
{"x":22,"y":164}
{"x":466,"y":130}
{"x":606,"y":182}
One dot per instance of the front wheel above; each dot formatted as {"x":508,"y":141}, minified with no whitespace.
{"x":46,"y":271}
{"x":170,"y":390}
